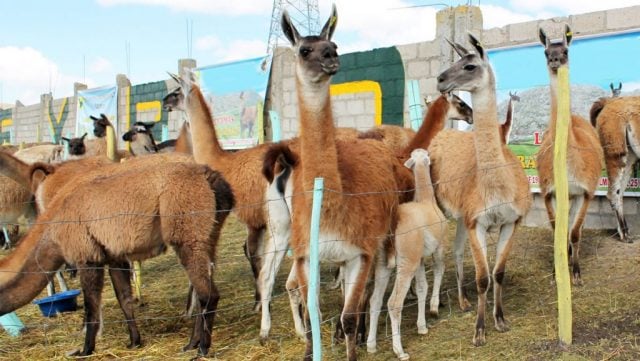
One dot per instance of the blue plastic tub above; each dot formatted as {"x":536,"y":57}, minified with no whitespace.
{"x":59,"y":302}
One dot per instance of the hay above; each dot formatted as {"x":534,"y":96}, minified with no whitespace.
{"x":606,"y":312}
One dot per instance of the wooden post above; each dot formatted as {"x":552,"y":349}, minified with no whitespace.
{"x":562,"y":208}
{"x":314,"y":269}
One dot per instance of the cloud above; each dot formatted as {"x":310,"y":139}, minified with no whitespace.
{"x":240,"y":49}
{"x":218,"y":7}
{"x":496,"y":16}
{"x":561,"y":8}
{"x":26,"y":73}
{"x":101,"y":65}
{"x":379,"y":24}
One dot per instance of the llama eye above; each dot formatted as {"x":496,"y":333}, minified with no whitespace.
{"x":305,"y":52}
{"x":469,"y":67}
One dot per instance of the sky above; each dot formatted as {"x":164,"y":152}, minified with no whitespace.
{"x":46,"y":46}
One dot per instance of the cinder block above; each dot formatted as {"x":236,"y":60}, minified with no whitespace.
{"x":590,"y":23}
{"x":495,"y":37}
{"x":623,"y":18}
{"x":418,"y":69}
{"x":408,"y":52}
{"x":523,"y":32}
{"x":355,"y":107}
{"x":429,"y":49}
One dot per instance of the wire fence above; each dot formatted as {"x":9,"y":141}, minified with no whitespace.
{"x":529,"y":273}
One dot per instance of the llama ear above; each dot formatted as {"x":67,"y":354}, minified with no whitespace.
{"x":461,"y":50}
{"x":104,"y":117}
{"x":611,"y":86}
{"x":66,"y":139}
{"x":543,"y":38}
{"x":620,"y":86}
{"x":409,"y":163}
{"x":148,"y":126}
{"x":83,"y":136}
{"x":174,"y":77}
{"x":568,"y":35}
{"x":288,"y":29}
{"x":477,"y":45}
{"x":94,"y":118}
{"x":330,"y":26}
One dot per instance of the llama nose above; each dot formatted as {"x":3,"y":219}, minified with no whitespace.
{"x":440,"y":78}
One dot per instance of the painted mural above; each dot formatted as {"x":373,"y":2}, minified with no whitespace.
{"x":523,"y":71}
{"x":6,"y":126}
{"x":147,"y":99}
{"x":58,"y":119}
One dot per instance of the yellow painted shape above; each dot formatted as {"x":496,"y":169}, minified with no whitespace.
{"x":362,"y":86}
{"x":6,"y":123}
{"x":154,"y":105}
{"x":561,"y":263}
{"x":58,"y":119}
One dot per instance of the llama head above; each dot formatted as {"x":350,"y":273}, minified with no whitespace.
{"x":418,"y":156}
{"x":470,"y":73}
{"x":557,"y":54}
{"x":141,"y":139}
{"x":316,"y":55}
{"x":615,"y":92}
{"x":100,"y":125}
{"x":76,"y":145}
{"x":177,"y":99}
{"x":514,"y":96}
{"x":458,"y":109}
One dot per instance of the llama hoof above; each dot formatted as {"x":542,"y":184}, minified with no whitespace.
{"x":433,"y":314}
{"x":478,"y":338}
{"x":577,"y":280}
{"x":74,"y":353}
{"x":403,"y":356}
{"x":263,"y":340}
{"x":133,"y":345}
{"x":190,"y":346}
{"x":465,"y":305}
{"x":501,"y":326}
{"x":372,"y":348}
{"x":423,"y":330}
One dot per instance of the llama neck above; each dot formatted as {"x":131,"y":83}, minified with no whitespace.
{"x":424,"y":187}
{"x":206,"y":148}
{"x":432,"y":123}
{"x":486,"y":130}
{"x":318,"y":150}
{"x":37,"y":267}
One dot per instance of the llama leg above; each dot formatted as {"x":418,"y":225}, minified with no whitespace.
{"x":406,"y":271}
{"x":548,"y":204}
{"x":477,"y":240}
{"x":295,"y":302}
{"x":302,"y":268}
{"x":459,"y":245}
{"x":381,"y":280}
{"x":92,"y":282}
{"x":438,"y":273}
{"x":581,"y":204}
{"x":197,"y":264}
{"x":275,"y":248}
{"x":422,"y":290}
{"x":255,"y":236}
{"x":355,"y":278}
{"x":503,"y":249}
{"x":620,"y":179}
{"x":121,"y":279}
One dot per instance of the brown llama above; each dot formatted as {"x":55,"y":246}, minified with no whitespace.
{"x":421,"y":232}
{"x":505,"y":128}
{"x":361,"y":178}
{"x":617,"y":121}
{"x":185,"y":206}
{"x":394,"y":136}
{"x":584,"y":155}
{"x":479,"y":181}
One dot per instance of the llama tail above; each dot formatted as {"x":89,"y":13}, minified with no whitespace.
{"x":38,"y":263}
{"x":278,"y":163}
{"x":595,"y":110}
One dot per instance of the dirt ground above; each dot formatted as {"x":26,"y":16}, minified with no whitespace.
{"x":606,"y":312}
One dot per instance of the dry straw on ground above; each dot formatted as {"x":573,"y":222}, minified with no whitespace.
{"x":606,"y":312}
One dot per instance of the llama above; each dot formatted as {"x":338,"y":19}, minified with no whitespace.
{"x":617,"y":121}
{"x":76,"y":145}
{"x":421,"y":232}
{"x":615,"y":92}
{"x":505,"y":128}
{"x":352,"y":228}
{"x":142,"y":142}
{"x":584,"y":155}
{"x":46,"y":153}
{"x":188,"y":205}
{"x":479,"y":181}
{"x":395,"y":137}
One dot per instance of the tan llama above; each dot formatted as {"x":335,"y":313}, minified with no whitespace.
{"x":128,"y":215}
{"x":421,"y":232}
{"x":618,"y":126}
{"x":479,"y":181}
{"x":361,"y":178}
{"x":584,"y":155}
